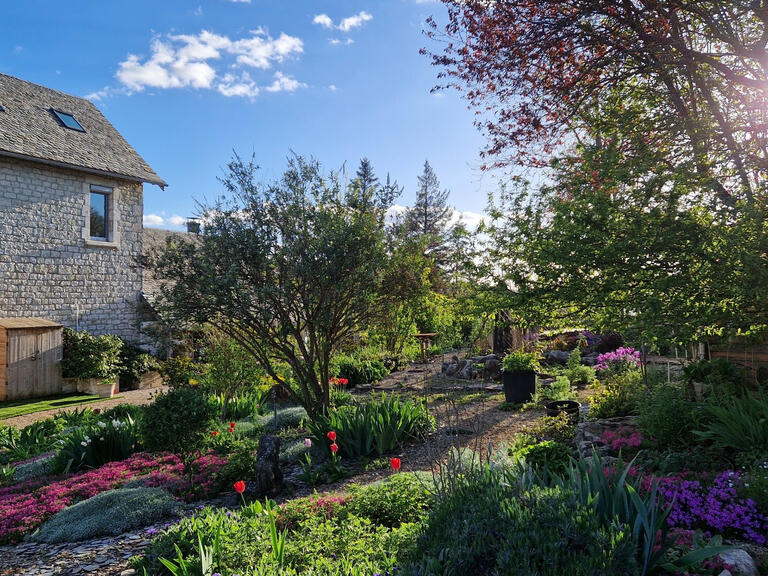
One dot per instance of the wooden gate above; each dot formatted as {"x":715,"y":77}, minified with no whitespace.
{"x":30,"y":352}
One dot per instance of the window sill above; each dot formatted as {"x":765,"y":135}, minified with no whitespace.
{"x":101,"y":243}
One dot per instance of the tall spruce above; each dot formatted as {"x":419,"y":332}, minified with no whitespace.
{"x":430,"y":214}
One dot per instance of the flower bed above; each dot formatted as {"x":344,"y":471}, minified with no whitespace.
{"x":26,"y":505}
{"x":713,"y":506}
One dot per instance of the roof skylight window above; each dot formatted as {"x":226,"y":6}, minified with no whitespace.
{"x":67,"y":120}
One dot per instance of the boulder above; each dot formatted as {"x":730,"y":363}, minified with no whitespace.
{"x":465,"y":370}
{"x":744,"y":563}
{"x":450,"y":368}
{"x":558,"y":356}
{"x":267,"y":476}
{"x":589,"y":359}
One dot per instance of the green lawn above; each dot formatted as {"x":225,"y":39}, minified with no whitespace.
{"x":31,"y":405}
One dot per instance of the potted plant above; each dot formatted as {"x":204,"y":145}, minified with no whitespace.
{"x":93,"y":362}
{"x":519,"y":377}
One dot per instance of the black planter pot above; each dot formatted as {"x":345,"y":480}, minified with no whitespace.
{"x":519,"y":387}
{"x":568,"y":406}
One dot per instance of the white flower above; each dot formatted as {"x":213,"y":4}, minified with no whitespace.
{"x":83,"y":443}
{"x":102,"y":424}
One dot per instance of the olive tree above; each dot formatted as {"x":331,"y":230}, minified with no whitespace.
{"x":289,"y":269}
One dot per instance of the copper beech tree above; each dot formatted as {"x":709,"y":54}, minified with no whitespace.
{"x":533,"y":69}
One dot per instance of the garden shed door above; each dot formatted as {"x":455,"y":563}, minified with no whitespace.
{"x":33,"y":351}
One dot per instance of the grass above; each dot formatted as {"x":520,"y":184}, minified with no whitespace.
{"x":32,"y":405}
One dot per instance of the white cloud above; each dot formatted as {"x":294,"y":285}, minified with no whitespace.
{"x":240,"y":1}
{"x":336,"y":41}
{"x":323,"y":20}
{"x":346,"y":24}
{"x":153,"y":220}
{"x":193,"y":61}
{"x":284,"y":83}
{"x":470,"y":219}
{"x":354,"y":21}
{"x":198,"y":11}
{"x":242,"y":85}
{"x":158,"y":221}
{"x":332,"y":88}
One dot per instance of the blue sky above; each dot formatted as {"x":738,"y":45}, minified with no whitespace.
{"x":188,"y":82}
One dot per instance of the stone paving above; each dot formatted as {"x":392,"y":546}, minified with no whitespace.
{"x":103,"y":557}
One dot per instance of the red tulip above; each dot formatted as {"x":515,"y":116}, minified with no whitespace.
{"x":231,"y":424}
{"x":395,"y":463}
{"x":239,"y":486}
{"x":331,"y":436}
{"x":215,"y":433}
{"x":334,"y":448}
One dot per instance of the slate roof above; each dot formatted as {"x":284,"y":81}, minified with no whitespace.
{"x":29,"y":130}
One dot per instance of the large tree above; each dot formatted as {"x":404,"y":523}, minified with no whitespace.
{"x":533,"y":70}
{"x":290,"y":269}
{"x":429,"y":215}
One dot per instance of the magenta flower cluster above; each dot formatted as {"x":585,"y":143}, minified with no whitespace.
{"x":624,"y":437}
{"x":26,"y":505}
{"x":712,"y":506}
{"x":619,"y":360}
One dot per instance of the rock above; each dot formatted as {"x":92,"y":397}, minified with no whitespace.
{"x":589,"y":359}
{"x":465,"y":370}
{"x":129,"y":572}
{"x":450,"y":368}
{"x":744,"y":563}
{"x":725,"y":573}
{"x":268,"y":478}
{"x":492,"y":369}
{"x":558,"y":356}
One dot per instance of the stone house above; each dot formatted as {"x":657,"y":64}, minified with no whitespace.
{"x":70,"y":212}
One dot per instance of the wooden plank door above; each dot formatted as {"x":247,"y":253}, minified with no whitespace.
{"x":22,"y":364}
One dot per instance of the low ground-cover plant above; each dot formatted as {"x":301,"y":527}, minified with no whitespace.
{"x":25,"y":505}
{"x":321,"y":536}
{"x":549,"y":454}
{"x":109,"y":514}
{"x":286,"y":417}
{"x":713,"y":503}
{"x":397,"y":500}
{"x":377,"y":426}
{"x":560,"y":428}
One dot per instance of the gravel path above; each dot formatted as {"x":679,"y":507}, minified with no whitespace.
{"x":137,"y":397}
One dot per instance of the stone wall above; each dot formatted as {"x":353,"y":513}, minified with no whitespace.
{"x":48,"y":269}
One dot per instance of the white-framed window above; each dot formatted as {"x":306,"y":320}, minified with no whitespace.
{"x":102,"y":214}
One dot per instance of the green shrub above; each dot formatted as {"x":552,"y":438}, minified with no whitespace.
{"x":521,"y":361}
{"x":109,"y":514}
{"x":722,"y":378}
{"x":292,"y":452}
{"x":618,"y":397}
{"x":92,"y":445}
{"x":739,"y":424}
{"x":579,"y":375}
{"x":87,"y":356}
{"x":134,"y":363}
{"x":560,"y":389}
{"x":178,"y":421}
{"x":377,"y":426}
{"x":666,"y":415}
{"x":560,"y":428}
{"x":399,"y":499}
{"x":33,"y":440}
{"x":121,"y":412}
{"x":247,"y":404}
{"x":181,"y":371}
{"x":319,"y":543}
{"x":487,"y":527}
{"x":551,"y":454}
{"x":359,"y":368}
